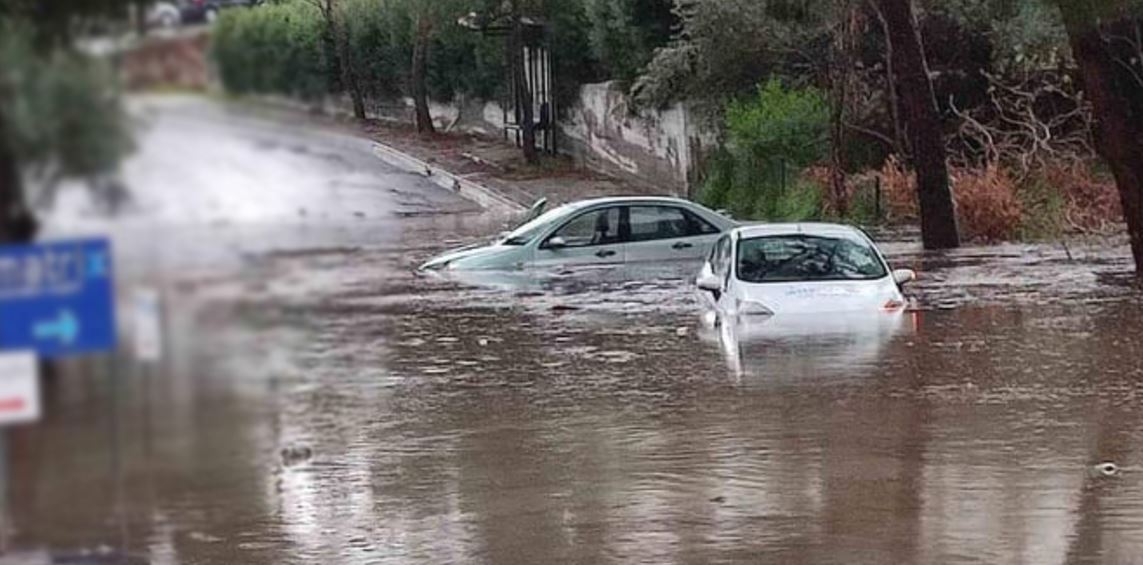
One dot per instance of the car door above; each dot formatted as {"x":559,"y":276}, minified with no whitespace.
{"x":659,"y":232}
{"x":589,"y":238}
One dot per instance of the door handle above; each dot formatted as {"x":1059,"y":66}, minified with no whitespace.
{"x":682,"y":245}
{"x":604,"y":253}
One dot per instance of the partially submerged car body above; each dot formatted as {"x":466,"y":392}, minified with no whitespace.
{"x":805,"y":268}
{"x":793,"y":346}
{"x":604,"y":231}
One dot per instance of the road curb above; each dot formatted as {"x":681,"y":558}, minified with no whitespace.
{"x":487,"y":198}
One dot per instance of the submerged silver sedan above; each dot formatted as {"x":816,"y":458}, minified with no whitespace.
{"x":604,"y":231}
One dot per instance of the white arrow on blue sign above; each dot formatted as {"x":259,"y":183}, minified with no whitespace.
{"x":57,"y":298}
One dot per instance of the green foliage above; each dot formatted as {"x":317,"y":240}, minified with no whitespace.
{"x":277,"y":48}
{"x":380,"y":35}
{"x":273,"y":49}
{"x":725,"y":47}
{"x":1023,"y":33}
{"x":572,"y":55}
{"x":625,"y":33}
{"x":52,"y":23}
{"x":61,"y":109}
{"x":771,"y":138}
{"x":463,"y":62}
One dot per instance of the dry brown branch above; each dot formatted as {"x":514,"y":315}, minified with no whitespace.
{"x":1028,"y":123}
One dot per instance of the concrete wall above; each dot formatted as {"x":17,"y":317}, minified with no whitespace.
{"x":469,"y":116}
{"x":657,"y":147}
{"x":600,"y":131}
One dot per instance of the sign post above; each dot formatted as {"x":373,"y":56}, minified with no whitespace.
{"x":19,"y":404}
{"x":57,"y":300}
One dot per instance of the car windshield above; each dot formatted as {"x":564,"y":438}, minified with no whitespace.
{"x":797,"y":257}
{"x":530,"y":230}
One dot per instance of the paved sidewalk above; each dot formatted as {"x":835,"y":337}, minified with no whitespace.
{"x":500,"y":166}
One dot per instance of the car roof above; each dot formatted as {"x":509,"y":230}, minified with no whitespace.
{"x":799,"y":228}
{"x":630,"y":200}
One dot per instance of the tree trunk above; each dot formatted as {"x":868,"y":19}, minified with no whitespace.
{"x":17,"y":224}
{"x":349,"y":75}
{"x":919,"y":110}
{"x":841,"y":77}
{"x":333,"y":72}
{"x":525,"y":113}
{"x":340,"y":74}
{"x":1117,"y":99}
{"x":420,"y":70}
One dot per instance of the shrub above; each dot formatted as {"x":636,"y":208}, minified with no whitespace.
{"x":273,"y":49}
{"x":899,"y":191}
{"x":771,"y":138}
{"x":990,"y":203}
{"x":987,"y":205}
{"x":1091,"y":198}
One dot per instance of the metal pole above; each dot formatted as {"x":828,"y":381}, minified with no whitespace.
{"x":116,"y":455}
{"x":555,"y":110}
{"x":3,"y":491}
{"x":877,"y":199}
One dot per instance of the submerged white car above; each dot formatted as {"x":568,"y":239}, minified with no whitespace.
{"x":604,"y":231}
{"x":808,"y":268}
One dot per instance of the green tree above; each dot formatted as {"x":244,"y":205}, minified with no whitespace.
{"x":625,"y":33}
{"x":770,"y":138}
{"x":60,"y":115}
{"x":725,"y":47}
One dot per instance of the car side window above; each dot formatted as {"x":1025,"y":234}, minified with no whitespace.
{"x":595,"y":227}
{"x":658,"y":222}
{"x":698,"y":226}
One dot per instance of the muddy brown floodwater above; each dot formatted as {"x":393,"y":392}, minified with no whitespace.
{"x":322,"y":403}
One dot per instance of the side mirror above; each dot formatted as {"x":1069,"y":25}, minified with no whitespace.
{"x":556,"y":242}
{"x":709,"y":281}
{"x":904,"y":276}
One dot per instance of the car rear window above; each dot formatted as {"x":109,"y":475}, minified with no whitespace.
{"x":798,"y":257}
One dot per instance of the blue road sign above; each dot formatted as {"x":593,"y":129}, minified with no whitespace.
{"x":57,"y":299}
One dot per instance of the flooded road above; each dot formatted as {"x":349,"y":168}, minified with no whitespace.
{"x":322,"y":403}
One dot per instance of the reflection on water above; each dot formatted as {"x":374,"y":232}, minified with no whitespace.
{"x":847,"y":344}
{"x":569,"y":424}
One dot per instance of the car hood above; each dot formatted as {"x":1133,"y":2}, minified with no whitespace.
{"x":820,"y":296}
{"x":479,"y":257}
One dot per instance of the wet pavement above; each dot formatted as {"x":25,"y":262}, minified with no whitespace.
{"x":322,"y":403}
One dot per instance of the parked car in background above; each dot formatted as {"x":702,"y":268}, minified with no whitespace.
{"x":808,"y":268}
{"x":604,"y":231}
{"x":199,"y":11}
{"x":163,"y":15}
